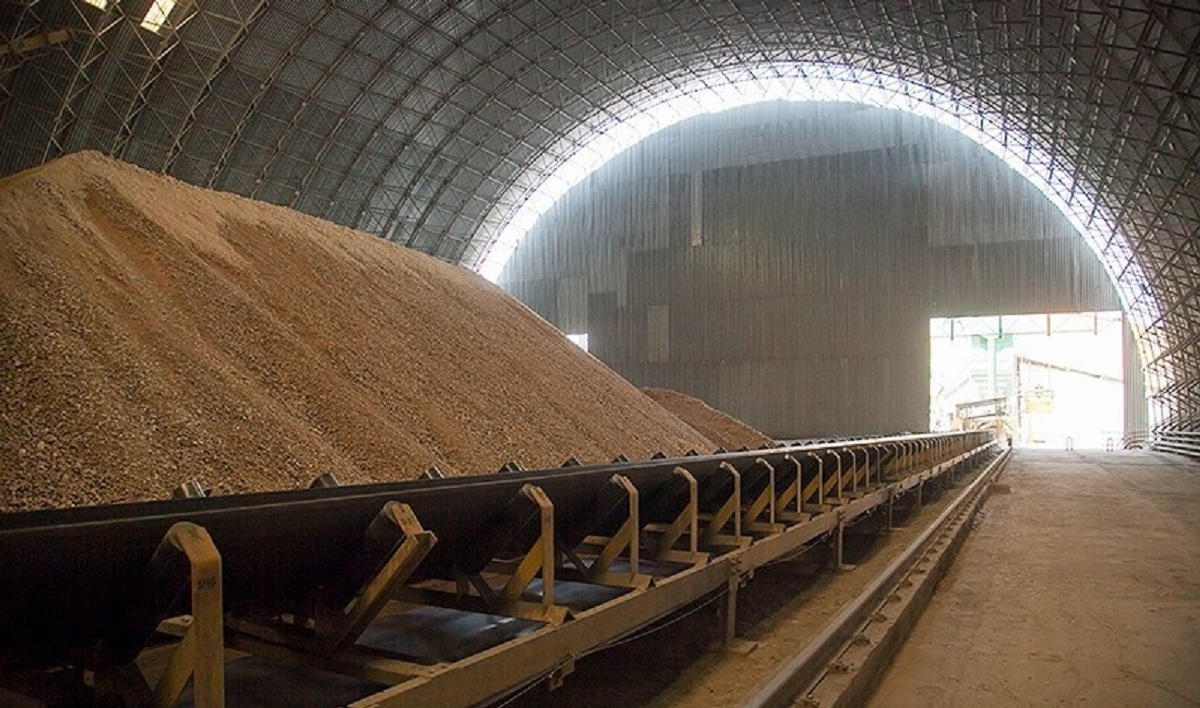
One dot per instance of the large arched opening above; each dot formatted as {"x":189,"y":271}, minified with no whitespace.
{"x":593,"y":144}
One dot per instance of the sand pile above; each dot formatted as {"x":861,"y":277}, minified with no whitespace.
{"x":153,"y":332}
{"x":723,"y":429}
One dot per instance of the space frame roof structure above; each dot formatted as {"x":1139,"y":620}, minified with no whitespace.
{"x":448,"y":126}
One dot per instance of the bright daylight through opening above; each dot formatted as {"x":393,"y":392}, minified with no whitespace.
{"x":1050,"y":379}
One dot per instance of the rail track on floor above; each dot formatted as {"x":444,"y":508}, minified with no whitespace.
{"x":841,"y":664}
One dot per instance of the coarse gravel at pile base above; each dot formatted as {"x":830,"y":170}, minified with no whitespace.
{"x":721,"y":428}
{"x":153,"y":332}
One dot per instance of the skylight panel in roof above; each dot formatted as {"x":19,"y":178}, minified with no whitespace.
{"x":156,"y":17}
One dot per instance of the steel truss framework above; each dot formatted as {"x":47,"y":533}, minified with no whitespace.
{"x":440,"y":125}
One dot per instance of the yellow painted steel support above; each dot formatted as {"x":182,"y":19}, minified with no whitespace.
{"x":201,"y":655}
{"x":688,"y":522}
{"x":488,"y":673}
{"x":730,"y":509}
{"x":729,"y":610}
{"x":763,"y":502}
{"x":540,"y":557}
{"x":839,"y":543}
{"x":625,"y":537}
{"x":856,"y":471}
{"x":887,"y":470}
{"x":789,"y":505}
{"x":834,"y":483}
{"x":818,"y":481}
{"x":792,"y":491}
{"x":376,"y":593}
{"x":867,"y":454}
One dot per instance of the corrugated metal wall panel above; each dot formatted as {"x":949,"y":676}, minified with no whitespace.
{"x":1137,"y":414}
{"x":828,"y":237}
{"x":571,"y":299}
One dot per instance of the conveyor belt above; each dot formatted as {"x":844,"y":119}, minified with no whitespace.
{"x":71,"y":578}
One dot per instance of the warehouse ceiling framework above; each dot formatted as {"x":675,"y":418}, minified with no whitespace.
{"x":449,"y":127}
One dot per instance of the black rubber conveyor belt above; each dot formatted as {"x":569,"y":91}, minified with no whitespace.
{"x":67,"y":577}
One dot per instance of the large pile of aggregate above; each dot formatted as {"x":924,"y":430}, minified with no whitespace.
{"x":153,"y":332}
{"x":721,"y":428}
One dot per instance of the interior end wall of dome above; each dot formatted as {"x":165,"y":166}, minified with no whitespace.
{"x":800,"y":248}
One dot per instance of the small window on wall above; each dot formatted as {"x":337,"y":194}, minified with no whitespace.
{"x":580,"y":340}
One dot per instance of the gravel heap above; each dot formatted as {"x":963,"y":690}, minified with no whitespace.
{"x":153,"y":332}
{"x":722,"y":428}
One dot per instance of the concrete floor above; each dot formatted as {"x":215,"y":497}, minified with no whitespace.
{"x":1080,"y":586}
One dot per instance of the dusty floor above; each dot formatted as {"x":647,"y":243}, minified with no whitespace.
{"x":778,"y":611}
{"x":1079,"y":587}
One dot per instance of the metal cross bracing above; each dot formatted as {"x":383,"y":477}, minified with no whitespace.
{"x":432,"y":123}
